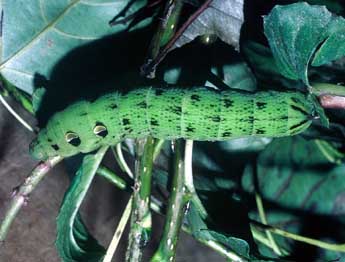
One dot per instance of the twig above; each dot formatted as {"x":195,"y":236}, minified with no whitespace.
{"x":175,"y":214}
{"x":263,"y":218}
{"x":189,"y":183}
{"x":119,"y":231}
{"x":165,"y":31}
{"x":111,"y":177}
{"x":307,"y":240}
{"x":150,"y":67}
{"x":16,"y":116}
{"x":21,"y":194}
{"x":121,"y":160}
{"x":158,"y":147}
{"x":141,"y":221}
{"x":331,"y":101}
{"x":262,"y":239}
{"x":330,"y":95}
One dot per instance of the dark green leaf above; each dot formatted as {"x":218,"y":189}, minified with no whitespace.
{"x":73,"y":242}
{"x":302,"y":190}
{"x":37,"y":34}
{"x":295,"y":32}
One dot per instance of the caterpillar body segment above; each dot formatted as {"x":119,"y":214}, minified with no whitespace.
{"x":196,"y":113}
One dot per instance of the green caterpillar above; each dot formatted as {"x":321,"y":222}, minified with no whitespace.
{"x":196,"y":113}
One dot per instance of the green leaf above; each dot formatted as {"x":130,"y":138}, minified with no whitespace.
{"x":295,"y":32}
{"x":37,"y":96}
{"x":37,"y":34}
{"x":73,"y":242}
{"x":299,"y":184}
{"x":200,"y":230}
{"x":236,"y":75}
{"x":238,"y":245}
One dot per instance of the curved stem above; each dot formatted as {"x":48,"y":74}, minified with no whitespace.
{"x":15,"y":115}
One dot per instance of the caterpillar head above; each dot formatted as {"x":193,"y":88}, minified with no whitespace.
{"x":44,"y":146}
{"x":68,"y":133}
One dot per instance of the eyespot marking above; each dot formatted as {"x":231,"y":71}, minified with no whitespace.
{"x":100,"y":130}
{"x":72,"y":138}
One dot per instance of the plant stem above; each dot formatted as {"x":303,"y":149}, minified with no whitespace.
{"x":151,"y":66}
{"x":121,"y":160}
{"x":141,"y":221}
{"x":175,"y":212}
{"x":21,"y":194}
{"x":263,"y":218}
{"x":330,"y":95}
{"x":328,"y":89}
{"x":118,"y":232}
{"x":111,"y":177}
{"x":188,"y":176}
{"x":15,"y":115}
{"x":164,"y":33}
{"x":310,"y":241}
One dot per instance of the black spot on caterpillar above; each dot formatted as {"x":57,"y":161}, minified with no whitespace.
{"x":197,"y":113}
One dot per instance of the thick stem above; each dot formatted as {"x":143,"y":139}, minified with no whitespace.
{"x":175,"y":214}
{"x":140,"y":228}
{"x":330,"y":95}
{"x":21,"y":194}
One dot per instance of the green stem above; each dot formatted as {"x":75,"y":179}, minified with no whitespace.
{"x":188,"y":178}
{"x":328,"y":89}
{"x":23,"y":98}
{"x":164,"y":33}
{"x":263,"y":218}
{"x":121,"y":160}
{"x":111,"y":177}
{"x":263,"y":239}
{"x":307,"y":240}
{"x":15,"y":115}
{"x":158,"y":146}
{"x":21,"y":194}
{"x":141,"y":220}
{"x":118,"y":232}
{"x":175,"y":212}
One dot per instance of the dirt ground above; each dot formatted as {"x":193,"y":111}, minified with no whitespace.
{"x":32,"y":236}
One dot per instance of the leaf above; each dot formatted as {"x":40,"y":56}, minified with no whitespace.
{"x":294,"y":33}
{"x":236,"y":75}
{"x":37,"y":34}
{"x":73,"y":242}
{"x":302,"y":189}
{"x":200,"y":230}
{"x":222,"y":18}
{"x":37,"y":96}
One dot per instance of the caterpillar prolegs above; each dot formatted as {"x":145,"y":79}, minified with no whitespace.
{"x":196,"y":113}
